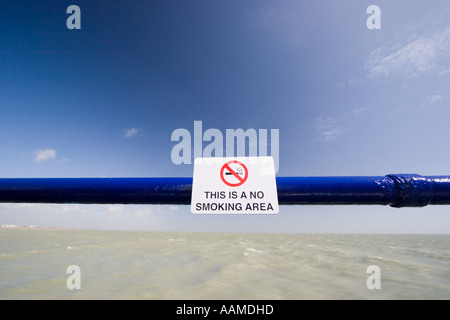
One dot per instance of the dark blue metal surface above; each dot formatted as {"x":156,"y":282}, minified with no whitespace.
{"x":399,"y":190}
{"x":97,"y":190}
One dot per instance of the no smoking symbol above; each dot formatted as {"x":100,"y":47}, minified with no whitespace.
{"x":234,"y":173}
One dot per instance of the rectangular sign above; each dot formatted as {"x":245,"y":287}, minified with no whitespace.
{"x":239,"y":185}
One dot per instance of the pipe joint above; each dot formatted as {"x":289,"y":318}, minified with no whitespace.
{"x":411,"y":190}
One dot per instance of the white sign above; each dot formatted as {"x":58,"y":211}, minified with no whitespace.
{"x":241,"y":185}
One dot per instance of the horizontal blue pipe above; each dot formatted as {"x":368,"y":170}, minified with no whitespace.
{"x":399,"y":190}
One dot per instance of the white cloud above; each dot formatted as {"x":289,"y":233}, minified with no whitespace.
{"x":444,"y":72}
{"x":332,"y":134}
{"x":44,"y":155}
{"x":416,"y":57}
{"x":129,"y":133}
{"x":353,"y":82}
{"x":435,"y":98}
{"x":331,"y":128}
{"x":432,"y":99}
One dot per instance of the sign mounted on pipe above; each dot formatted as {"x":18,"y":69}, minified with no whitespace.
{"x":234,"y":186}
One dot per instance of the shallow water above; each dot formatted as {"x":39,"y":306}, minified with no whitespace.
{"x":164,"y":265}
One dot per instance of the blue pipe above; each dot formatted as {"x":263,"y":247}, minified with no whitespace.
{"x":399,"y":190}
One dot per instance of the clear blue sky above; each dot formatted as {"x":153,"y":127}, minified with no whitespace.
{"x":104,"y":100}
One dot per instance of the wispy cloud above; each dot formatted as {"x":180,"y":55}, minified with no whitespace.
{"x":352,"y":82}
{"x":411,"y":59}
{"x":435,"y":98}
{"x":129,"y":133}
{"x":444,"y":72}
{"x":331,"y":128}
{"x":432,"y":99}
{"x":44,"y":155}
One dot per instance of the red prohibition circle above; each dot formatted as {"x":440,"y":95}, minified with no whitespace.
{"x":241,"y":180}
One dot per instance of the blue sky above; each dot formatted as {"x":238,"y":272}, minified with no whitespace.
{"x":104,"y":100}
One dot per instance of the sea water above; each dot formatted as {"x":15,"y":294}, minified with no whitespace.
{"x":34,"y":264}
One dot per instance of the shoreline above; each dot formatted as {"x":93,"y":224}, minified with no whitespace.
{"x":33,"y":227}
